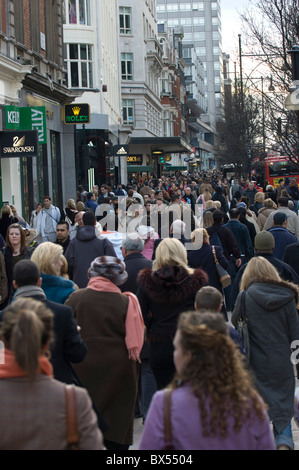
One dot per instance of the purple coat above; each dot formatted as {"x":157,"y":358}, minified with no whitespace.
{"x":187,"y":430}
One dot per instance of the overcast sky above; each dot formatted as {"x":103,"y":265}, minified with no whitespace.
{"x":230,"y":10}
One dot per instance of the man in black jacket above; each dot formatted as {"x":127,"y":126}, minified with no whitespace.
{"x":84,"y":248}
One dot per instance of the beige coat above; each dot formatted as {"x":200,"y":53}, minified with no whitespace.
{"x":33,"y":417}
{"x":263,"y":216}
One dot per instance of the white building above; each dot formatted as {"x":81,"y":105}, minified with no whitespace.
{"x":93,"y":67}
{"x":143,"y":122}
{"x":201,"y":21}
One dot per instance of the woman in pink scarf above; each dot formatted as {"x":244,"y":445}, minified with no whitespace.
{"x":112,"y":327}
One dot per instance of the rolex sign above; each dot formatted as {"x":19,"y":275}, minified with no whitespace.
{"x":76,"y":113}
{"x":18,"y":144}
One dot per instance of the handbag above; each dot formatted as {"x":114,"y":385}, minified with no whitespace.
{"x":167,"y":421}
{"x":72,"y":435}
{"x":223,"y":275}
{"x":242,"y":328}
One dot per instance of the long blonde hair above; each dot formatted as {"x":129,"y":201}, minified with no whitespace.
{"x":258,"y":269}
{"x":171,"y":252}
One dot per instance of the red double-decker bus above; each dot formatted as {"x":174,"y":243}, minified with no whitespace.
{"x":279,"y":166}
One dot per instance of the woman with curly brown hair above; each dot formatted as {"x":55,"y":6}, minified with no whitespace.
{"x":214,"y":405}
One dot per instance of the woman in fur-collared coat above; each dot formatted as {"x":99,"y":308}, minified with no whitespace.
{"x":273,"y":324}
{"x":164,"y":292}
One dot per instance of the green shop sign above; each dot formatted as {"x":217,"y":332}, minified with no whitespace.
{"x":29,"y":118}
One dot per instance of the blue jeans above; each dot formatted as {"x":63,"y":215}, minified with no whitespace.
{"x":285,"y":437}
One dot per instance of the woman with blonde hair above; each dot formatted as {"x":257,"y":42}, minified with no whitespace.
{"x":214,"y":404}
{"x":164,"y":292}
{"x":48,"y":257}
{"x":263,"y":213}
{"x":33,"y":410}
{"x":204,"y":197}
{"x":271,"y":306}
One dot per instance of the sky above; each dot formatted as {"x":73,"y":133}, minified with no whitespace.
{"x":231,"y":24}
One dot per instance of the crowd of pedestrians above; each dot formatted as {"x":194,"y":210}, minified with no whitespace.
{"x":118,"y":295}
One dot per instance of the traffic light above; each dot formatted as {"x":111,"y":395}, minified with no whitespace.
{"x":162,"y":159}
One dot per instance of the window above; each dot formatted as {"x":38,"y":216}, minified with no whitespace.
{"x":185,"y":6}
{"x":128,"y":111}
{"x":125,"y":20}
{"x":198,"y":6}
{"x":126,"y":66}
{"x":78,"y":12}
{"x":79,"y":66}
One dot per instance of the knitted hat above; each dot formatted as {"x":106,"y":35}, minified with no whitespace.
{"x":279,"y":218}
{"x":109,"y":267}
{"x":242,"y":204}
{"x":264,"y":241}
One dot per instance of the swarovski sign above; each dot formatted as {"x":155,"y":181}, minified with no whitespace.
{"x":18,"y":144}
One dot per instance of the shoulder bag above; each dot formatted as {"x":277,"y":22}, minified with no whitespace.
{"x":72,"y":435}
{"x":167,"y":421}
{"x":242,"y":328}
{"x":224,"y":277}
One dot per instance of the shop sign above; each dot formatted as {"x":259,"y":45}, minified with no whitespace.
{"x":18,"y":144}
{"x":27,"y":118}
{"x":77,"y":113}
{"x":135,"y":159}
{"x":121,"y":150}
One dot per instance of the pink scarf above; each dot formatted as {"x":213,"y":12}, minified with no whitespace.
{"x":11,"y":369}
{"x":134,"y":321}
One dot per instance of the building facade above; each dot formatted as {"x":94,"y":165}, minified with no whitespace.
{"x":92,"y":63}
{"x":152,"y":123}
{"x":201,"y":21}
{"x":32,"y":95}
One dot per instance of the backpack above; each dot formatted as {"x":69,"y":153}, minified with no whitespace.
{"x":215,"y":239}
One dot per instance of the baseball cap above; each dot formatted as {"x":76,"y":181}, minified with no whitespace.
{"x":279,"y":218}
{"x":264,"y":241}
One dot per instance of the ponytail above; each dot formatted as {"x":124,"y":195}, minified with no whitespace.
{"x":25,"y":342}
{"x":27,"y":326}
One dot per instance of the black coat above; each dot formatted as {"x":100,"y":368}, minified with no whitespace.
{"x":229,"y":242}
{"x":291,"y":256}
{"x":8,"y":258}
{"x":68,"y":346}
{"x":82,"y":250}
{"x":164,"y":294}
{"x":204,"y":259}
{"x":134,"y":262}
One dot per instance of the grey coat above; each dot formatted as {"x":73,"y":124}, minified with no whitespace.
{"x":273,"y":324}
